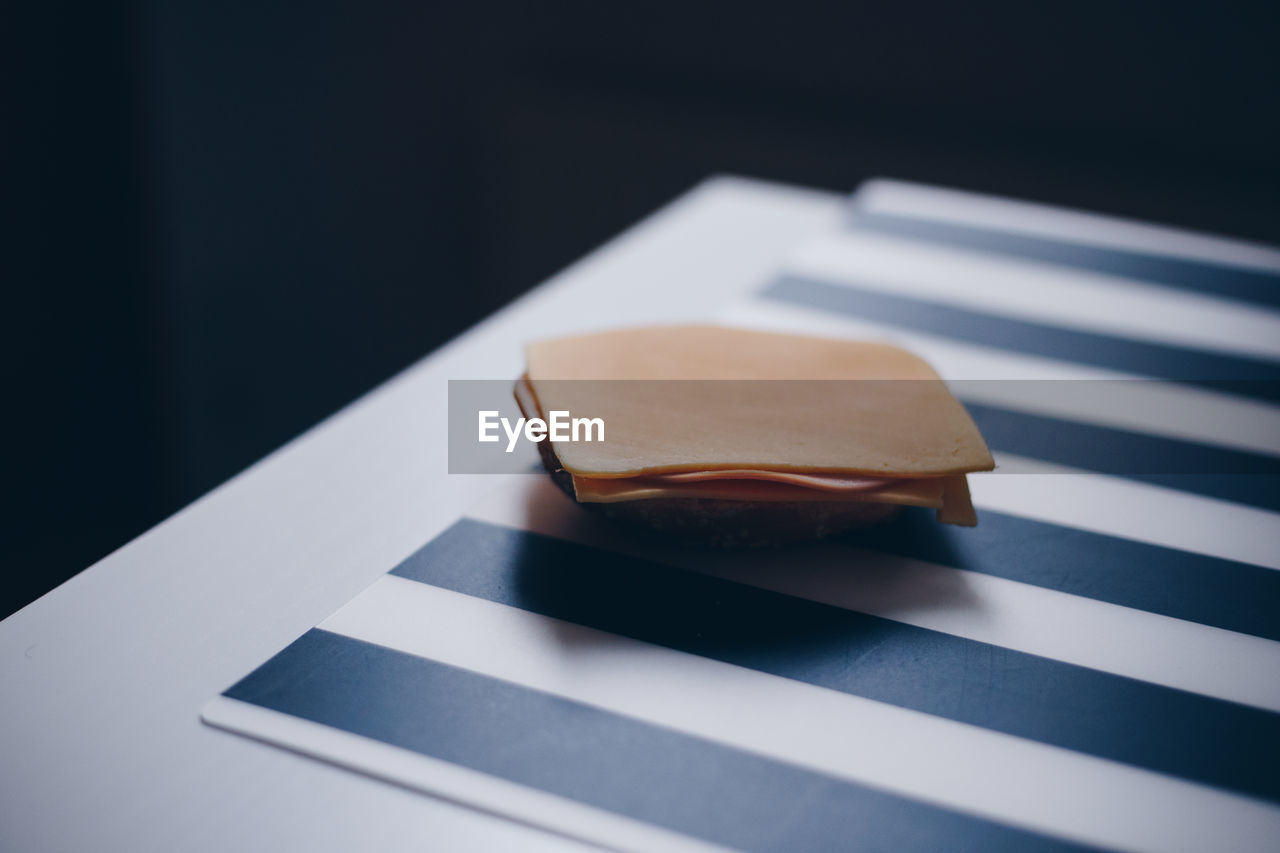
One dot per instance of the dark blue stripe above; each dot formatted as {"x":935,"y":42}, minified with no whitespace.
{"x":1199,"y":276}
{"x":656,"y":775}
{"x":1171,"y":731}
{"x":1208,"y":590}
{"x":1232,"y":475}
{"x":1257,"y":378}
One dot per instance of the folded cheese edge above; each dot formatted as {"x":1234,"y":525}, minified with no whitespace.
{"x":949,"y":496}
{"x":957,"y":505}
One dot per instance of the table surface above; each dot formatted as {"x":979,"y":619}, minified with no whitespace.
{"x":105,"y":676}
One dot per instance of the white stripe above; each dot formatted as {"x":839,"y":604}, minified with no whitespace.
{"x":448,"y":781}
{"x":1017,"y":381}
{"x":918,"y":201}
{"x":1120,"y":640}
{"x":929,"y":758}
{"x":1129,"y":509}
{"x":1041,"y":293}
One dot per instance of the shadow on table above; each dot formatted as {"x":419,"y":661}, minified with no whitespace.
{"x":756,"y":608}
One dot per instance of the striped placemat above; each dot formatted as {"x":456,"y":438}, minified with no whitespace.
{"x":1097,"y":664}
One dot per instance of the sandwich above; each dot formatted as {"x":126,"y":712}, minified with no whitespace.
{"x":732,"y":437}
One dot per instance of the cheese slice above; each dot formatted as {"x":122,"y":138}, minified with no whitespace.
{"x":707,"y":398}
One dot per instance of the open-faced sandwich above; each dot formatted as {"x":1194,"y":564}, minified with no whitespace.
{"x":744,"y":438}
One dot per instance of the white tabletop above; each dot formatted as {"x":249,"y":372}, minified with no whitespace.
{"x":101,"y":747}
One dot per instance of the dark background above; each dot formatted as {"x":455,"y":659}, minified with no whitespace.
{"x":224,"y":221}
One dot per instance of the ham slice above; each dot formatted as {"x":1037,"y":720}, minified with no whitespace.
{"x":921,"y":492}
{"x":826,"y":482}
